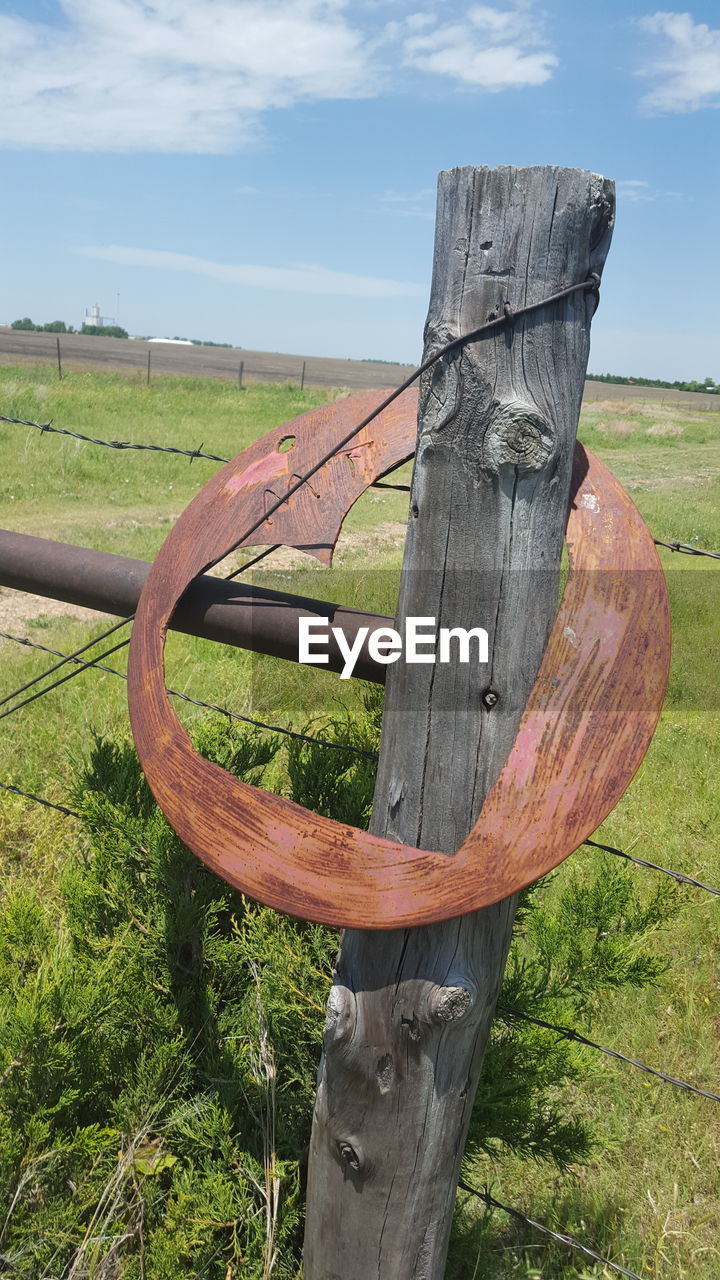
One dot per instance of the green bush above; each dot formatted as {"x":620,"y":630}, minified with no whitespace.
{"x":104,"y":330}
{"x":160,"y":1034}
{"x":53,"y":326}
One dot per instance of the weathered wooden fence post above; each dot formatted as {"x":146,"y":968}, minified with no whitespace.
{"x":410,"y":1011}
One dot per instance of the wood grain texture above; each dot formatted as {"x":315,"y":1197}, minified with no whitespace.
{"x":410,"y":1010}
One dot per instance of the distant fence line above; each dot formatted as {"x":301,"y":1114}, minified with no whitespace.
{"x":236,"y":364}
{"x":146,"y":359}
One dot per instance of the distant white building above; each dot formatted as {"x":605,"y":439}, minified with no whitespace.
{"x":93,"y":317}
{"x":178,"y":342}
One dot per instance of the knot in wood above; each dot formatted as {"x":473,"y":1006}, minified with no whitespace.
{"x":451,"y":1004}
{"x":350,"y":1156}
{"x":518,"y":436}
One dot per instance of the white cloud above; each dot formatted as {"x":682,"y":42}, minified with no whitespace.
{"x":172,"y":74}
{"x":185,"y":76}
{"x":686,"y":69}
{"x":301,"y":278}
{"x":634,"y":189}
{"x":491,"y":48}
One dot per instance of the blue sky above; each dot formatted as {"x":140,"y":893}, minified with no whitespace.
{"x":264,"y":173}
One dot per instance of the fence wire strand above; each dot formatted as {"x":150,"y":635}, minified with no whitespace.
{"x":25,"y":702}
{"x":47,"y":804}
{"x":686,"y":549}
{"x":70,"y":657}
{"x":568,"y":1033}
{"x":679,"y":876}
{"x":560,"y":1236}
{"x":98,"y":665}
{"x":47,"y":427}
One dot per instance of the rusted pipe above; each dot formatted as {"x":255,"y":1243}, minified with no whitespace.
{"x":232,"y":613}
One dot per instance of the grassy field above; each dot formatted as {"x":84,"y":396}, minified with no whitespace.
{"x":649,"y":1196}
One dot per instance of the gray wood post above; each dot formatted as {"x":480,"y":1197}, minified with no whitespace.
{"x":409,"y":1013}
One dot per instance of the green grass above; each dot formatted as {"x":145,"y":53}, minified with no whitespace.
{"x":124,"y":501}
{"x":648,"y":1196}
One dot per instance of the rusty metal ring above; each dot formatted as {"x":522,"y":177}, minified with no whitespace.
{"x":585,"y":729}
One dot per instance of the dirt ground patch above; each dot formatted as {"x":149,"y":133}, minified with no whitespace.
{"x":18,"y":607}
{"x":353,"y":544}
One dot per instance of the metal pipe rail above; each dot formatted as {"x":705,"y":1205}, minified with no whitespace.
{"x":233,"y":613}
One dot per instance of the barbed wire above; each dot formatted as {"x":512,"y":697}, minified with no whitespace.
{"x":679,"y":876}
{"x":98,"y":665}
{"x":569,"y":1033}
{"x":70,"y":657}
{"x":560,"y":1236}
{"x":48,"y":804}
{"x":43,"y":648}
{"x":686,"y":549}
{"x":25,"y":702}
{"x":113,"y":444}
{"x":507,"y":318}
{"x":249,"y":564}
{"x":47,"y":427}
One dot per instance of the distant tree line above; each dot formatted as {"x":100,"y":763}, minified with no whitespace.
{"x":373,"y":360}
{"x":59,"y":326}
{"x":708,"y":385}
{"x":103,"y":330}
